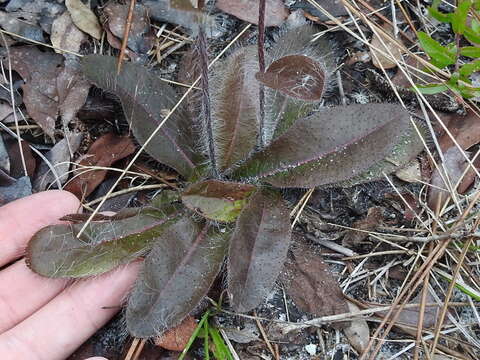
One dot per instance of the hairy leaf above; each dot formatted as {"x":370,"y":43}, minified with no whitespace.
{"x":235,"y":107}
{"x":56,"y":251}
{"x":217,"y":200}
{"x":409,"y":145}
{"x":146,"y":100}
{"x":282,"y":111}
{"x":258,"y":249}
{"x":177,"y":274}
{"x":336,"y":145}
{"x":297,"y":76}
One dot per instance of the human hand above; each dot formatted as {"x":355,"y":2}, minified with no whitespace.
{"x":41,"y":318}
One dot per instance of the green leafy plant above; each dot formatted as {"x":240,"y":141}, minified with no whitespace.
{"x":240,"y":215}
{"x":444,"y":56}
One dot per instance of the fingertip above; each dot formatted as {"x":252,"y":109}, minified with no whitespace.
{"x":22,"y":218}
{"x":62,"y":198}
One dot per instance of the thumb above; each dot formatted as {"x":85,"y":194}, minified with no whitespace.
{"x":97,"y":358}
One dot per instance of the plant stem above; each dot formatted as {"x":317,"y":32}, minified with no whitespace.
{"x":203,"y":55}
{"x":261,"y":66}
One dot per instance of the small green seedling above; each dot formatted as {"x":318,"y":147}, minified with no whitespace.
{"x":449,"y":55}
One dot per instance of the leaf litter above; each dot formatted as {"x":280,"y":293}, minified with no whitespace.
{"x":345,"y":212}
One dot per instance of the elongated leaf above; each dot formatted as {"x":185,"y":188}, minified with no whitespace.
{"x":55,"y":251}
{"x":235,"y":107}
{"x":297,"y":76}
{"x":470,"y":51}
{"x":258,"y":249}
{"x":146,"y":100}
{"x":177,"y":274}
{"x":431,"y":89}
{"x":405,"y":150}
{"x":459,"y":18}
{"x":333,"y":145}
{"x":217,"y":200}
{"x":440,"y":55}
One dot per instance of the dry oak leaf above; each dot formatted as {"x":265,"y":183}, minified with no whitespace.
{"x":140,"y":38}
{"x":247,"y":10}
{"x":312,"y":286}
{"x":104,"y":152}
{"x":177,"y":338}
{"x":84,"y":18}
{"x":452,"y":169}
{"x":66,"y":35}
{"x":39,"y":71}
{"x":465,"y":130}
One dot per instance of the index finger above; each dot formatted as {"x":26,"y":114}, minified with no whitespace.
{"x":20,"y":219}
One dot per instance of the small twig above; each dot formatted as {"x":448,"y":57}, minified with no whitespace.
{"x":39,"y":153}
{"x":12,"y":100}
{"x":131,"y":350}
{"x":340,"y":88}
{"x":126,"y":33}
{"x":331,"y":245}
{"x":264,"y":335}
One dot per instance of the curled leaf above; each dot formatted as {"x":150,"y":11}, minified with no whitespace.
{"x":258,"y":248}
{"x":106,"y":150}
{"x":337,"y":145}
{"x":177,"y":274}
{"x":298,"y":76}
{"x":217,"y":200}
{"x":146,"y":100}
{"x":282,"y":110}
{"x":56,"y":251}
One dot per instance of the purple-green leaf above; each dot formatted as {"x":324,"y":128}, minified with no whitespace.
{"x":298,"y":76}
{"x":217,"y":200}
{"x":235,"y":107}
{"x":284,"y":110}
{"x":258,"y":248}
{"x":146,"y":100}
{"x":56,"y":251}
{"x":333,"y":145}
{"x":177,"y":274}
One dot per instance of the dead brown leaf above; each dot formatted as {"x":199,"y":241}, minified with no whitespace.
{"x":388,"y":47}
{"x":452,"y":169}
{"x":104,"y":152}
{"x":65,"y":34}
{"x":10,"y":23}
{"x":16,"y":166}
{"x":140,"y":38}
{"x":59,"y":157}
{"x":357,"y":333}
{"x":409,"y":316}
{"x":84,"y":18}
{"x":373,"y":219}
{"x":177,"y":338}
{"x":312,"y":286}
{"x":72,"y":91}
{"x":50,"y":88}
{"x":247,"y":10}
{"x":39,"y":70}
{"x":464,"y":129}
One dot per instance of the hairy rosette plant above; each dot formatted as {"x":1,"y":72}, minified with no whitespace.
{"x":240,"y":215}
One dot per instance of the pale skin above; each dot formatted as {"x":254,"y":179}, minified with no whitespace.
{"x":41,"y":318}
